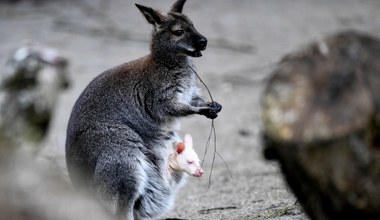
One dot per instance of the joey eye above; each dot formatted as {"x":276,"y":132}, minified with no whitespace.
{"x":190,"y":161}
{"x":178,"y":32}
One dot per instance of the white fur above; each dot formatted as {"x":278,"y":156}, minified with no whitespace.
{"x":187,"y":160}
{"x":192,"y":91}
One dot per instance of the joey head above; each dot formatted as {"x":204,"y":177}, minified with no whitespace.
{"x":185,"y":159}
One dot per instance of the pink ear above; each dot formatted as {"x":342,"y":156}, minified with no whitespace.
{"x":188,"y":140}
{"x":180,"y":147}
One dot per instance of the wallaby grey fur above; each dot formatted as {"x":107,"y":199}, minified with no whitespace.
{"x":123,"y":122}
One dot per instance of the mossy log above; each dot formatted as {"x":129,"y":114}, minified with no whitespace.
{"x":321,"y":117}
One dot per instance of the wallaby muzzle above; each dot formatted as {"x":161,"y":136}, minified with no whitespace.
{"x":200,"y":44}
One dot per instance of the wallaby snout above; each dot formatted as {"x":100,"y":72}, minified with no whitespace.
{"x":199,"y":45}
{"x":202,"y":42}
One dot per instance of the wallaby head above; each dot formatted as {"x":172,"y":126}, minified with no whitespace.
{"x":185,"y":158}
{"x":173,"y":33}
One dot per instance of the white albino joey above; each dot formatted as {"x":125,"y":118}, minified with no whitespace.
{"x":185,"y":158}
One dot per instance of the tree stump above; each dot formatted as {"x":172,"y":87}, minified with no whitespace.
{"x":321,"y":121}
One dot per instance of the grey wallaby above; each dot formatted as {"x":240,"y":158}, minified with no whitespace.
{"x":123,"y":122}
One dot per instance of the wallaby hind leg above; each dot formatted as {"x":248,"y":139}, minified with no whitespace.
{"x":119,"y":179}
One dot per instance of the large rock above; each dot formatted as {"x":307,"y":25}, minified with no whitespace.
{"x":321,"y":116}
{"x":30,"y":84}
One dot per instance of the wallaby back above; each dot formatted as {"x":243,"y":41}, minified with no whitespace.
{"x":121,"y":124}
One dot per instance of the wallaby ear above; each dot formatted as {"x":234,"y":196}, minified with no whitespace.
{"x":178,"y":6}
{"x":188,"y":140}
{"x":152,"y":16}
{"x":180,"y":147}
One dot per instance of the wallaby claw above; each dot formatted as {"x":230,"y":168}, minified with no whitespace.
{"x":216,"y":107}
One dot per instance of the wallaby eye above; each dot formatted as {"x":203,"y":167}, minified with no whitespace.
{"x":178,"y":33}
{"x":190,"y":161}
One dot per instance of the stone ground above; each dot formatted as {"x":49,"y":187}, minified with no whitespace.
{"x":246,"y":39}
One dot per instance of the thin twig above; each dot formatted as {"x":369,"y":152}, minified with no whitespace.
{"x":212,"y":131}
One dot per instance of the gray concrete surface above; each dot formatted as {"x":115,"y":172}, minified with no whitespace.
{"x":246,"y":38}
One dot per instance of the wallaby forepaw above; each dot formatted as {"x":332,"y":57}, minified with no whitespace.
{"x":213,"y":110}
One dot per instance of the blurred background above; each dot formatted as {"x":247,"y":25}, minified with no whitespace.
{"x":246,"y":39}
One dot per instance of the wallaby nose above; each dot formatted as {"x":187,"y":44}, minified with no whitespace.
{"x":202,"y":42}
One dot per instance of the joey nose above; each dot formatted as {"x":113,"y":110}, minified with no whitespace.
{"x":198,"y":172}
